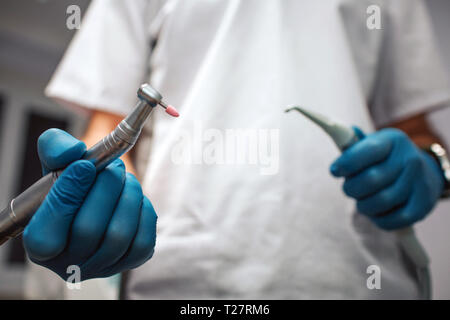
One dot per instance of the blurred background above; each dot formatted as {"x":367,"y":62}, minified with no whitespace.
{"x":33,"y":37}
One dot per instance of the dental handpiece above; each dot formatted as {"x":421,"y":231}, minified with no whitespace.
{"x":18,"y":213}
{"x":344,"y":137}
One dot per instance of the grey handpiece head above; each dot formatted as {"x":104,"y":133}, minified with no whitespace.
{"x":125,"y":135}
{"x":149,"y":94}
{"x":149,"y":98}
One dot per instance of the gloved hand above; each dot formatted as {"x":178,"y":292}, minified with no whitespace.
{"x":101,"y":223}
{"x":394,"y":183}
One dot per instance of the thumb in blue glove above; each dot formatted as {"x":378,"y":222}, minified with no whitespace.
{"x":394,"y":183}
{"x":101,"y":223}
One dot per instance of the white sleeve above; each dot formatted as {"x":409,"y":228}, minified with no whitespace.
{"x":411,"y":78}
{"x":108,"y":57}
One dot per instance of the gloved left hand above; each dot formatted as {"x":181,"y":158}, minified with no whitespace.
{"x":100,"y":222}
{"x":394,"y":183}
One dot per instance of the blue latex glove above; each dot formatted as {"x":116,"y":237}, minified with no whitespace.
{"x":394,"y":182}
{"x":101,"y":223}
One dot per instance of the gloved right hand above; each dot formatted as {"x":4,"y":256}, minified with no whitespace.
{"x":395,"y":183}
{"x":101,"y":223}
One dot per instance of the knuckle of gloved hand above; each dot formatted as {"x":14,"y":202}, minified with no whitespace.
{"x":352,"y":188}
{"x":375,"y":144}
{"x":62,"y":196}
{"x":414,"y":161}
{"x":134,"y":187}
{"x":87,"y":231}
{"x":119,"y":235}
{"x":346,"y":164}
{"x":71,"y":187}
{"x":144,"y":245}
{"x":41,"y":246}
{"x":395,"y":134}
{"x":115,"y":173}
{"x":406,"y":217}
{"x":386,"y":199}
{"x":373,"y":177}
{"x":116,"y":169}
{"x":44,"y":147}
{"x":348,"y":188}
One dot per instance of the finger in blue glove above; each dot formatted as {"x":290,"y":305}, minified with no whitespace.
{"x":57,"y":149}
{"x":45,"y":236}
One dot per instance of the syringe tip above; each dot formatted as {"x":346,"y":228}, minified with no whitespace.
{"x":172,"y":111}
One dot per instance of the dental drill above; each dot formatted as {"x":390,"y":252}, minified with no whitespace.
{"x":18,"y":213}
{"x":344,"y":137}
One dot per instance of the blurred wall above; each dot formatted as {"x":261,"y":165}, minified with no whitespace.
{"x":33,"y":37}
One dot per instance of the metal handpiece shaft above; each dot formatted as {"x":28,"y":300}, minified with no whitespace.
{"x":15,"y":217}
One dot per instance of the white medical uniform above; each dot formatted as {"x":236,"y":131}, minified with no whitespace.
{"x":257,"y":230}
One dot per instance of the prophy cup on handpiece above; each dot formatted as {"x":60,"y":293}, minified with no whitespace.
{"x":18,"y":213}
{"x":344,"y":137}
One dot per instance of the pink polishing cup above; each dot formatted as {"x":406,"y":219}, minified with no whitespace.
{"x":172,"y":111}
